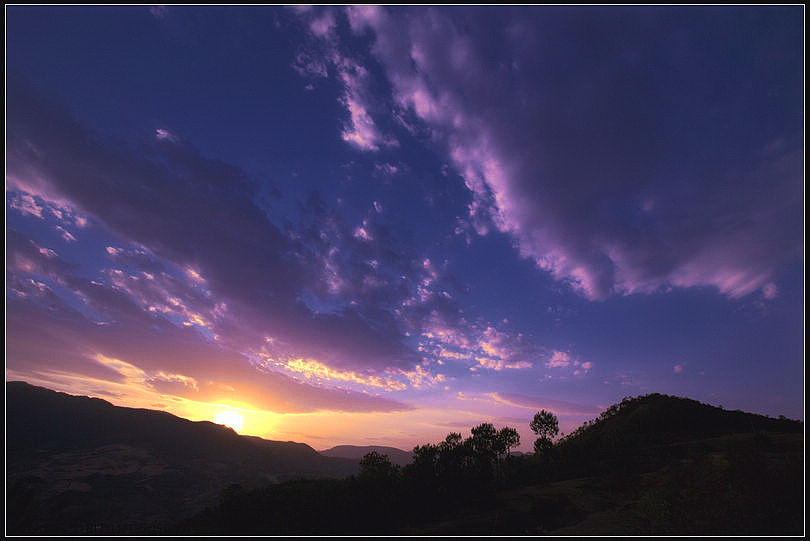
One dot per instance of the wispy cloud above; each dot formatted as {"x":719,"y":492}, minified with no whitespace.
{"x":477,"y":346}
{"x":558,"y":359}
{"x":357,"y":98}
{"x":314,"y":370}
{"x":614,"y":222}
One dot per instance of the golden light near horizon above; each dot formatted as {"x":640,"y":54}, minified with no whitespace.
{"x":231,"y":419}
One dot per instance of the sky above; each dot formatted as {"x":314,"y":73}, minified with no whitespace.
{"x":379,"y":225}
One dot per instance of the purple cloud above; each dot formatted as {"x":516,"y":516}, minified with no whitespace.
{"x":46,"y":336}
{"x":357,"y":97}
{"x":601,"y":188}
{"x":201,"y":214}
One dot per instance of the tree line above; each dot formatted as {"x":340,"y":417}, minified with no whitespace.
{"x":458,"y":474}
{"x":482,"y":456}
{"x":671,"y":465}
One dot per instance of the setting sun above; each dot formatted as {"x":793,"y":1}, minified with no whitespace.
{"x":230,"y":419}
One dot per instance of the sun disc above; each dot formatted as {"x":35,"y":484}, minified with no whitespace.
{"x":230,"y":419}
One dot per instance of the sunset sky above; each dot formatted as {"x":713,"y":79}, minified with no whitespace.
{"x":381,"y":225}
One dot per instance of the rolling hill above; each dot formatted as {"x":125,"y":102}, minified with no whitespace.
{"x":356,"y":452}
{"x":75,"y":463}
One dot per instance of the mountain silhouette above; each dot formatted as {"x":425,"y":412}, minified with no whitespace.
{"x":74,"y":461}
{"x":651,"y":465}
{"x":356,"y":452}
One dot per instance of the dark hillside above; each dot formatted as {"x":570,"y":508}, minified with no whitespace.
{"x":75,"y":462}
{"x":643,"y":432}
{"x":38,"y":418}
{"x":652,"y":465}
{"x":666,"y":419}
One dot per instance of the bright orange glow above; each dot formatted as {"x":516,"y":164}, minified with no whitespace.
{"x":230,"y":419}
{"x":321,"y":429}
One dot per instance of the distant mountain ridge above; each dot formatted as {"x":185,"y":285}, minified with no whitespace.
{"x":356,"y":452}
{"x":137,"y":465}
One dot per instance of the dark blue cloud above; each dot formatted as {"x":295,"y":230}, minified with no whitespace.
{"x":626,"y":150}
{"x":201,"y":213}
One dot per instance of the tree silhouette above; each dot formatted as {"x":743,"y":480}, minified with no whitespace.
{"x":425,"y":465}
{"x":455,"y":455}
{"x":546,"y":426}
{"x":377,"y":466}
{"x":489,"y":446}
{"x":484,"y":439}
{"x":484,"y":443}
{"x":508,"y":438}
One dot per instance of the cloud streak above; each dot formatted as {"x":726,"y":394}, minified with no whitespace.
{"x":206,"y":240}
{"x":598,"y":185}
{"x":192,"y":212}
